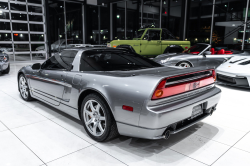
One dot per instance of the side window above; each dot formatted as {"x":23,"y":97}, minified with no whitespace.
{"x":166,"y":35}
{"x":60,"y":61}
{"x":52,"y":64}
{"x":154,"y":34}
{"x":68,"y":56}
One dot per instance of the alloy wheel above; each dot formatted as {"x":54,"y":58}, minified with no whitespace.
{"x":23,"y":87}
{"x":94,"y":117}
{"x":184,"y":65}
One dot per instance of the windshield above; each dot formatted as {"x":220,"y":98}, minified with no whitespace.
{"x":196,"y":49}
{"x":110,"y":60}
{"x":139,"y":33}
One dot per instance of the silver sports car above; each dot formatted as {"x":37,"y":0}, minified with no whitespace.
{"x":4,"y":63}
{"x":115,"y":91}
{"x":198,"y":55}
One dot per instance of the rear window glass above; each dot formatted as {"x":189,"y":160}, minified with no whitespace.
{"x":111,"y":60}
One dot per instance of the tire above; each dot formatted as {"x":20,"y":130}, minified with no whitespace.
{"x":184,"y":64}
{"x":24,"y":88}
{"x":6,"y":71}
{"x":102,"y":118}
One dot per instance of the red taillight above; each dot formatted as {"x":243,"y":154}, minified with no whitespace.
{"x":214,"y":75}
{"x":128,"y":108}
{"x":170,"y":90}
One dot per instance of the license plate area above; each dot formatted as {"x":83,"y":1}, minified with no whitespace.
{"x":197,"y":111}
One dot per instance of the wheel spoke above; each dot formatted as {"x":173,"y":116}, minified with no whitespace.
{"x":89,"y":122}
{"x":98,"y":108}
{"x":88,"y":112}
{"x":91,"y":106}
{"x":100,"y":127}
{"x":94,"y":128}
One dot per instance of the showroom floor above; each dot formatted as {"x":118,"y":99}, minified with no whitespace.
{"x":33,"y":133}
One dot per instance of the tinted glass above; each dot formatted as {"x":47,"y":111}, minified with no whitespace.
{"x":20,"y":26}
{"x":167,"y":35}
{"x":4,"y":26}
{"x":139,"y":34}
{"x":52,"y":64}
{"x":17,"y":7}
{"x":36,"y":37}
{"x":35,"y":9}
{"x":17,"y":16}
{"x":20,"y":37}
{"x":5,"y":37}
{"x":68,"y":56}
{"x":35,"y":18}
{"x":110,"y":60}
{"x":36,"y":27}
{"x":4,"y":5}
{"x":35,"y":1}
{"x":154,"y":34}
{"x":4,"y":15}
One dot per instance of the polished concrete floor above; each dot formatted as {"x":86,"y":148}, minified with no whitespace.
{"x":33,"y":133}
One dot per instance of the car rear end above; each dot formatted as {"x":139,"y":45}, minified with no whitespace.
{"x":4,"y":61}
{"x":177,"y":103}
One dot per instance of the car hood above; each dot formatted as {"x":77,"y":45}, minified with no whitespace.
{"x":236,"y":65}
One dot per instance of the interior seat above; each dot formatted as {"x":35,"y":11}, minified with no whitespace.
{"x":212,"y":51}
{"x":222,"y":51}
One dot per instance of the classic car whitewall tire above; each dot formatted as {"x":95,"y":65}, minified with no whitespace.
{"x":97,"y":118}
{"x":24,"y":88}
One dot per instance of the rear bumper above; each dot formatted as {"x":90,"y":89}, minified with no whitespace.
{"x":172,"y":116}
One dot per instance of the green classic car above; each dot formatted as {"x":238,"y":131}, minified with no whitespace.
{"x":152,"y":42}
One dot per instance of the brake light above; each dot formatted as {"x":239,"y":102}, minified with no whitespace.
{"x":214,"y":75}
{"x":163,"y":91}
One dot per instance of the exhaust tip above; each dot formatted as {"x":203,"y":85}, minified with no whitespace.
{"x":167,"y":134}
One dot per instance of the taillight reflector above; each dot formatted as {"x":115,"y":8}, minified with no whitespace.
{"x":162,"y":91}
{"x":214,"y":75}
{"x":128,"y":108}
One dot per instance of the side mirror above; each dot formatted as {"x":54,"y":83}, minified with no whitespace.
{"x":36,"y":66}
{"x":207,"y":53}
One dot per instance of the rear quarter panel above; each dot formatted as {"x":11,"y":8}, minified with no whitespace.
{"x":117,"y":91}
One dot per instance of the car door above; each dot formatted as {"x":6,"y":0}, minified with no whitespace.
{"x":213,"y":60}
{"x":48,"y":82}
{"x":151,"y":43}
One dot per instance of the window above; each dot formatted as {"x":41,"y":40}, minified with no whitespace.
{"x":52,"y":64}
{"x":60,"y":61}
{"x":68,"y":56}
{"x":166,"y":35}
{"x":110,"y":60}
{"x":154,"y":34}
